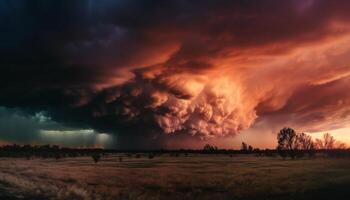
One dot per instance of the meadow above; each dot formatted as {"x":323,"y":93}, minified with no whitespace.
{"x":195,"y":176}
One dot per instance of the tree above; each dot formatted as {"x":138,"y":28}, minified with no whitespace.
{"x":305,"y":141}
{"x":319,"y":144}
{"x":209,"y":148}
{"x":295,"y":144}
{"x":287,"y":142}
{"x":282,"y":152}
{"x":305,"y":144}
{"x":244,"y":147}
{"x":328,"y":141}
{"x":340,"y":145}
{"x":250,"y":148}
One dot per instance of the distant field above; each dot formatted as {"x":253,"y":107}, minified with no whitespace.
{"x":165,"y":177}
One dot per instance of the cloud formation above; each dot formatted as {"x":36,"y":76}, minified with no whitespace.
{"x":202,"y":68}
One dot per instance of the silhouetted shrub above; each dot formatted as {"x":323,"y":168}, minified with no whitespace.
{"x":244,"y":147}
{"x":150,"y":156}
{"x":96,"y":157}
{"x":250,"y":148}
{"x":209,"y":149}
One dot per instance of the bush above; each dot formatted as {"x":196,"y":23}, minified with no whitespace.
{"x":150,"y":156}
{"x":96,"y":157}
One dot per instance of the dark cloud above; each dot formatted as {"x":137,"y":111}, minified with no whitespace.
{"x":138,"y":69}
{"x":23,"y":128}
{"x":319,"y":107}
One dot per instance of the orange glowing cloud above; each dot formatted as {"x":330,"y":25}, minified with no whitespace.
{"x":203,"y":69}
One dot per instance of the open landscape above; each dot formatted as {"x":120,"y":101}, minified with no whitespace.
{"x":174,"y":100}
{"x":194,"y":176}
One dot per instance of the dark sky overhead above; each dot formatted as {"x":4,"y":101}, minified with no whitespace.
{"x":150,"y":74}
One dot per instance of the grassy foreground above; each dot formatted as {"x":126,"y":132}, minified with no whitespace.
{"x":165,"y":177}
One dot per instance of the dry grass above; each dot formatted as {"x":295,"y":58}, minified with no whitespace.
{"x":192,"y":177}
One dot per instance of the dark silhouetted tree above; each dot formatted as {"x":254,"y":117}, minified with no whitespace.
{"x":340,"y":145}
{"x":304,"y":144}
{"x":209,"y":148}
{"x":294,"y":144}
{"x":282,"y":152}
{"x":250,"y":148}
{"x":287,"y":142}
{"x":244,"y":147}
{"x":305,"y":141}
{"x":328,"y":141}
{"x":319,"y":144}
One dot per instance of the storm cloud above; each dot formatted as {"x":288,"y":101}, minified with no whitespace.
{"x":144,"y":70}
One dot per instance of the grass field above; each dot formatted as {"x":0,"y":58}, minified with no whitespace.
{"x":165,"y":177}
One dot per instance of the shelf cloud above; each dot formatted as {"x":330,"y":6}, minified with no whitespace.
{"x":151,"y":69}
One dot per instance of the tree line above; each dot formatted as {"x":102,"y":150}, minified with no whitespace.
{"x":45,"y":151}
{"x":289,"y":144}
{"x":296,"y":145}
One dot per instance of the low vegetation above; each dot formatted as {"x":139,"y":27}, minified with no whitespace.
{"x":289,"y":144}
{"x":203,"y":176}
{"x":52,"y":172}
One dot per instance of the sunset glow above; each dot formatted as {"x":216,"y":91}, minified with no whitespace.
{"x":174,"y":99}
{"x":174,"y":74}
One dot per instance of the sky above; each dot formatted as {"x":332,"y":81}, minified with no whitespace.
{"x":153,"y":74}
